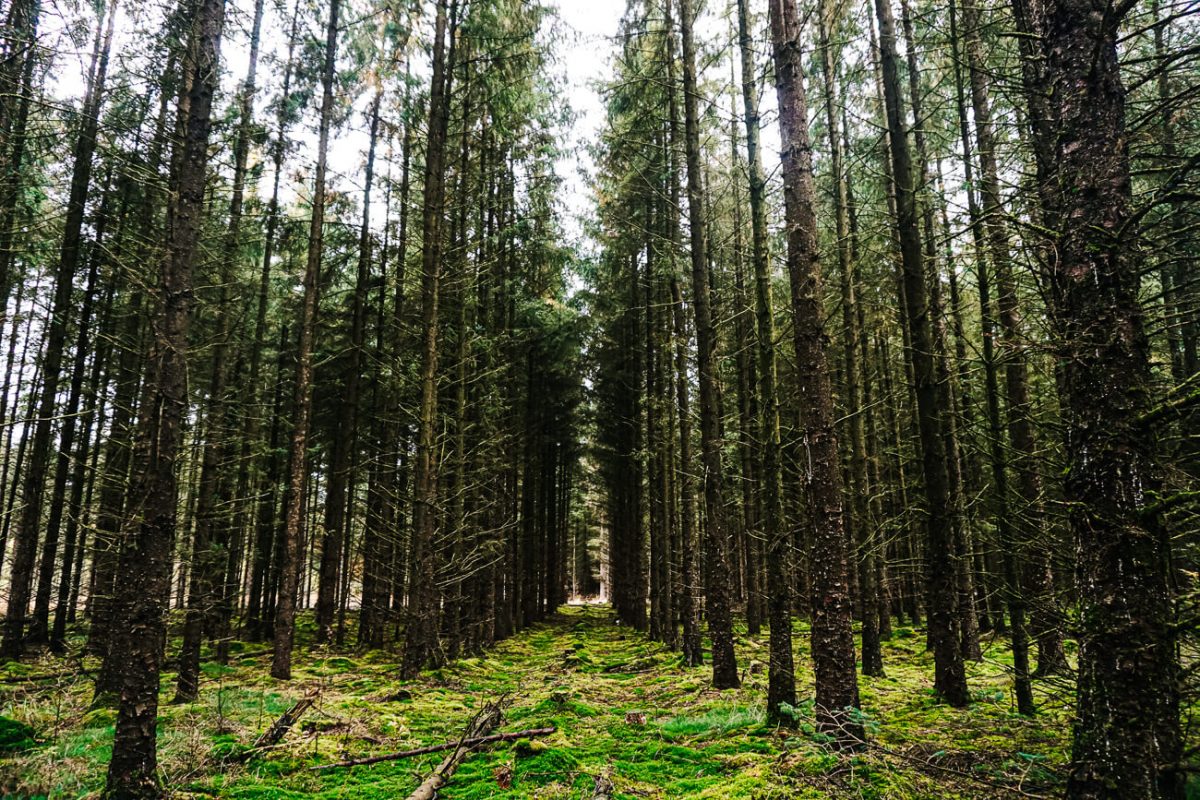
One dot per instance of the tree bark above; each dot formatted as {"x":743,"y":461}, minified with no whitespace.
{"x":781,"y":686}
{"x":420,"y":642}
{"x":150,"y":519}
{"x":832,"y":635}
{"x":689,"y":571}
{"x":1127,"y":732}
{"x":859,"y":490}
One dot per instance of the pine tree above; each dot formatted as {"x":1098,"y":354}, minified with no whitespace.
{"x":145,"y":565}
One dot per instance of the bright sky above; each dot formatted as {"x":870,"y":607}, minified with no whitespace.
{"x":583,"y":56}
{"x":589,"y":58}
{"x":586,"y":58}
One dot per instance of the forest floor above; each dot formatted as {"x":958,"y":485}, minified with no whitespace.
{"x":623,"y":706}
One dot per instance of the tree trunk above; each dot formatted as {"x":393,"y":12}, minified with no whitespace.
{"x":420,"y":643}
{"x":83,"y":472}
{"x":781,"y":681}
{"x":949,"y":678}
{"x":716,"y":542}
{"x":211,"y":541}
{"x":689,"y":572}
{"x":1127,"y":733}
{"x":257,"y":610}
{"x":150,"y":520}
{"x":832,"y":635}
{"x":859,"y":490}
{"x":990,"y":217}
{"x":290,"y":563}
{"x":39,"y":630}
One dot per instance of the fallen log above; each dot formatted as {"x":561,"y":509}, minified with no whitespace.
{"x":438,"y":748}
{"x":274,"y":734}
{"x":279,"y":728}
{"x":636,"y":667}
{"x":483,"y":724}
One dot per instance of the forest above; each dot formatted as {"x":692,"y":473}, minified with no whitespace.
{"x":600,"y":399}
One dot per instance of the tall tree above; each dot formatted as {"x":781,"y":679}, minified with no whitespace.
{"x":950,"y":677}
{"x":34,"y":477}
{"x":289,"y":566}
{"x":211,"y":541}
{"x":118,"y":449}
{"x":150,"y":518}
{"x":990,"y":218}
{"x":1127,"y":735}
{"x":689,"y":569}
{"x":257,"y":611}
{"x":832,"y":635}
{"x":782,"y":686}
{"x":420,"y":644}
{"x":716,"y":541}
{"x":872,"y":656}
{"x":18,"y":59}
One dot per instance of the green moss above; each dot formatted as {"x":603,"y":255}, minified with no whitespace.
{"x":211,"y":669}
{"x":16,"y":736}
{"x":99,"y":717}
{"x":225,"y":746}
{"x":15,"y":669}
{"x":694,"y":742}
{"x":556,"y":706}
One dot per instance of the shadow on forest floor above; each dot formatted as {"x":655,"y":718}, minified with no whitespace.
{"x":623,"y":706}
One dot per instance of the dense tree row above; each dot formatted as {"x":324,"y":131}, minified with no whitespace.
{"x":900,"y":341}
{"x":249,"y":385}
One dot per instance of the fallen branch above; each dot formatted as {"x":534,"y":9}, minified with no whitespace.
{"x":437,"y":748}
{"x":632,"y":667}
{"x":930,"y":765}
{"x":483,"y":723}
{"x":603,"y":788}
{"x":45,"y":676}
{"x":280,"y":727}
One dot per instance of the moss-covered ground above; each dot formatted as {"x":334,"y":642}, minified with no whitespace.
{"x":623,"y":706}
